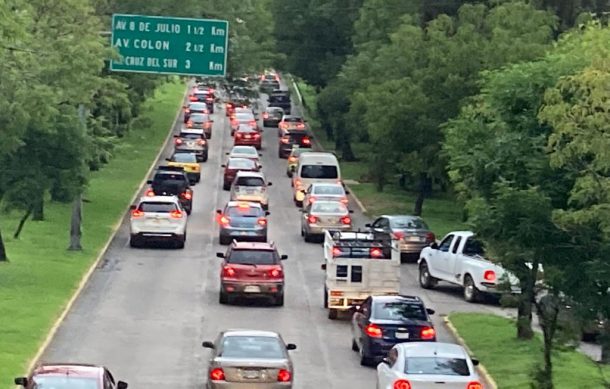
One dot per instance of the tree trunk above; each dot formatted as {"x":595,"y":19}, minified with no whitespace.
{"x":38,"y":210}
{"x":524,"y":309}
{"x":605,"y":343}
{"x":347,"y":154}
{"x":3,"y":256}
{"x":548,"y":311}
{"x":422,"y":190}
{"x":75,"y":224}
{"x":25,"y":217}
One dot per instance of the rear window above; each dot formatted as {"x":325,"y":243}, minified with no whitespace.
{"x":256,"y":257}
{"x":158,"y":207}
{"x":250,"y":181}
{"x":437,"y":366}
{"x":408,"y":222}
{"x":279,"y":99}
{"x":244,"y":211}
{"x":185,"y":158}
{"x":191,"y":136}
{"x":198,"y":117}
{"x":398,"y":310}
{"x":197,"y":107}
{"x":252,"y":347}
{"x":241,"y":164}
{"x":293,"y":120}
{"x":167,"y":176}
{"x":328,"y":190}
{"x":64,"y":381}
{"x":473,"y":247}
{"x":328,"y":207}
{"x":319,"y":171}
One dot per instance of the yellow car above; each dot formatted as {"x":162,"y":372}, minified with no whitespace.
{"x":187,"y":161}
{"x":293,"y":159}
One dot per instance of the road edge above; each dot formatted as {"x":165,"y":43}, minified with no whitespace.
{"x":482,"y":370}
{"x":319,"y":146}
{"x":86,"y":277}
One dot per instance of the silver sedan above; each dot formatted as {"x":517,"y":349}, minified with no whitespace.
{"x":324,"y":215}
{"x":249,"y":359}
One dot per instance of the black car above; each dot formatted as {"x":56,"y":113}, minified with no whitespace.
{"x":267,"y":86}
{"x":192,"y":141}
{"x":272,"y":116}
{"x":281,"y":100}
{"x":299,"y":138}
{"x":172,"y":181}
{"x":383,"y":321}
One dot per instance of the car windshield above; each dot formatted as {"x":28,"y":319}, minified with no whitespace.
{"x":398,"y":310}
{"x":245,"y":150}
{"x":159,"y":207}
{"x":319,"y":171}
{"x":437,"y":366}
{"x":244,"y":211}
{"x":246,"y":129}
{"x":408,"y":222}
{"x":328,"y":190}
{"x":199,"y":117}
{"x":252,"y":347}
{"x":256,"y":257}
{"x":64,"y":382}
{"x":241,"y":163}
{"x":185,"y":158}
{"x":328,"y":207}
{"x":250,"y":181}
{"x":473,"y":247}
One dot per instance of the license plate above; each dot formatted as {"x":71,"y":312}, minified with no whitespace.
{"x":246,"y":136}
{"x":251,"y":191}
{"x":416,"y":239}
{"x":252,"y":289}
{"x":243,"y":233}
{"x":401,"y":335}
{"x":249,"y":374}
{"x":190,"y":144}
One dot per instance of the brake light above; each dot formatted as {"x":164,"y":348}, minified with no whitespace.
{"x":136,"y":213}
{"x":178,"y":141}
{"x":277,"y":78}
{"x":489,"y":276}
{"x":238,"y":135}
{"x":336,"y":293}
{"x":201,"y":142}
{"x":225,"y":221}
{"x":283,"y":125}
{"x":430,"y":237}
{"x":187,"y":110}
{"x":284,"y":376}
{"x":300,"y":125}
{"x":292,"y":159}
{"x":275,"y":272}
{"x":262,"y":222}
{"x":399,"y":235}
{"x":311,"y":219}
{"x":189,"y":124}
{"x":344,"y":200}
{"x":306,"y":141}
{"x":207,"y":125}
{"x":298,"y":183}
{"x":402,"y":384}
{"x":192,"y":98}
{"x":234,"y":122}
{"x":373,"y":331}
{"x":312,"y":199}
{"x":228,"y":271}
{"x":427,"y":333}
{"x":285,"y":140}
{"x":150,"y":193}
{"x":346,"y":220}
{"x":376,"y":252}
{"x":474,"y":385}
{"x":209,"y":99}
{"x":175,"y":214}
{"x":252,"y":123}
{"x":186,"y":195}
{"x":265,"y":115}
{"x":256,"y":136}
{"x":217,"y":374}
{"x":229,"y":105}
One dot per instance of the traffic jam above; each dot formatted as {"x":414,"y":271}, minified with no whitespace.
{"x":360,"y":265}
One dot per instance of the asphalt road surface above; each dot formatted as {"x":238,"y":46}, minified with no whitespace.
{"x":145,"y":312}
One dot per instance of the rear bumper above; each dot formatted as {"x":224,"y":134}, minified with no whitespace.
{"x":248,"y":385}
{"x":343,"y":303}
{"x":319,"y":230}
{"x":239,"y":288}
{"x":156,"y":235}
{"x":412,"y":247}
{"x":244,"y":234}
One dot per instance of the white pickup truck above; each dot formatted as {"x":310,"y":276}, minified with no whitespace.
{"x":459,"y":259}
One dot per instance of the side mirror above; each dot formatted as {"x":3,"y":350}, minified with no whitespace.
{"x":267,"y":213}
{"x":284,"y":257}
{"x":227,"y":153}
{"x":269,"y":183}
{"x":475,"y":361}
{"x":323,"y":266}
{"x":434,"y":245}
{"x":219,"y":211}
{"x":260,"y":155}
{"x":21,"y":381}
{"x":291,"y":346}
{"x":168,"y":159}
{"x":386,"y":361}
{"x":208,"y":344}
{"x":220,"y":255}
{"x":368,"y":225}
{"x":347,"y":192}
{"x":133,"y":206}
{"x":149,"y":181}
{"x":351,"y":211}
{"x":430,"y":311}
{"x":223,"y":165}
{"x":121,"y":385}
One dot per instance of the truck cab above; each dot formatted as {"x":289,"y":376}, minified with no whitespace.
{"x":460,"y":259}
{"x":358,"y":265}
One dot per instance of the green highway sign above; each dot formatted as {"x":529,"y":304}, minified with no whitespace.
{"x":154,"y":44}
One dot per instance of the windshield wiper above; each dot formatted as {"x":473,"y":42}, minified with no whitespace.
{"x":247,"y":264}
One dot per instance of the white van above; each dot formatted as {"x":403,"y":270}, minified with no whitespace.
{"x":314,"y":167}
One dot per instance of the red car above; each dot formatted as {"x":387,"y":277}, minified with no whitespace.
{"x":235,"y":165}
{"x":70,"y":376}
{"x":247,"y":136}
{"x":252,"y":270}
{"x":240,"y":118}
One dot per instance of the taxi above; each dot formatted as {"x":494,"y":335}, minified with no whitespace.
{"x":293,"y":159}
{"x":187,"y":161}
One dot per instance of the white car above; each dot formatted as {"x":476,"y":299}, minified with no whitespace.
{"x":250,"y":186}
{"x":248,"y":152}
{"x":424,"y":365}
{"x":158,"y":218}
{"x":325,"y":191}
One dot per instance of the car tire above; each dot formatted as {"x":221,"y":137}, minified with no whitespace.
{"x":188,"y":210}
{"x":426,"y":281}
{"x":289,"y":173}
{"x":204,"y":158}
{"x":471,"y":293}
{"x":355,"y":345}
{"x":226,"y":186}
{"x":180,"y":242}
{"x":279,"y":300}
{"x":223,"y":298}
{"x":199,"y":178}
{"x":134,"y":241}
{"x":325,"y":298}
{"x":306,"y":237}
{"x":224,"y":240}
{"x":364,"y":359}
{"x":333,"y":314}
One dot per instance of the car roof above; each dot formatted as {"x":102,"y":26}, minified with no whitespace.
{"x":242,"y":173}
{"x":197,"y":103}
{"x":159,"y":199}
{"x":433,"y":349}
{"x":86,"y":370}
{"x":254,"y":245}
{"x":233,"y":159}
{"x":236,"y":203}
{"x":238,"y":332}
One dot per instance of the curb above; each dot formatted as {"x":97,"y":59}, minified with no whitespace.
{"x":85,"y":279}
{"x":482,"y":370}
{"x":319,"y":146}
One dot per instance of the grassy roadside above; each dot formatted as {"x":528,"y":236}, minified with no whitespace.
{"x":41,"y":275}
{"x":510,"y":361}
{"x":442,"y":213}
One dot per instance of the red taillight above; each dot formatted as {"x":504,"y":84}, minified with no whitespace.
{"x":283,"y":125}
{"x":217,"y":374}
{"x":306,"y":141}
{"x":256,"y":136}
{"x":300,"y":125}
{"x":311,"y":219}
{"x":376,"y":252}
{"x":474,"y":385}
{"x":225,"y":221}
{"x":344,"y":200}
{"x":427,"y":333}
{"x":285,"y":140}
{"x":175,"y":214}
{"x":238,"y":135}
{"x":298,"y":183}
{"x":187,"y":110}
{"x":186,"y":195}
{"x":228,"y":271}
{"x":312,"y":199}
{"x":337,"y":251}
{"x":402,"y":384}
{"x":189,"y":124}
{"x":489,"y":276}
{"x":275,"y":272}
{"x":346,"y":220}
{"x":265,"y":115}
{"x":201,"y":142}
{"x":430,"y":237}
{"x":192,"y":98}
{"x":262,"y":222}
{"x":399,"y":235}
{"x":284,"y":376}
{"x":209,"y":99}
{"x":234,"y":123}
{"x":150,"y":193}
{"x":229,"y":105}
{"x":137,"y":213}
{"x":373,"y":331}
{"x":292,"y":159}
{"x":178,"y":141}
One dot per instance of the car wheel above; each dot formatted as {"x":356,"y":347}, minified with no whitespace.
{"x":365,"y":360}
{"x":355,"y":345}
{"x":224,"y":240}
{"x":226,"y":187}
{"x":223,"y":298}
{"x":199,"y":178}
{"x":289,"y":173}
{"x":306,"y":237}
{"x":180,"y":242}
{"x":333,"y":314}
{"x":279,"y":300}
{"x":471,"y":293}
{"x":298,"y":203}
{"x":134,"y":241}
{"x":426,"y":281}
{"x":325,"y":298}
{"x":188,"y":210}
{"x":205,"y":158}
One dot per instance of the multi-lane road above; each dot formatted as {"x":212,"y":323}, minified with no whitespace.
{"x":145,"y":312}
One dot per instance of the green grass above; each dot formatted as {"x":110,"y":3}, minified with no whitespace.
{"x":492,"y":339}
{"x":442,"y":213}
{"x":41,"y":275}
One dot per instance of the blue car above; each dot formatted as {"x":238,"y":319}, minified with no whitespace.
{"x":242,"y":221}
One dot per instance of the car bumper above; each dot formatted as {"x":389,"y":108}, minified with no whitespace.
{"x":487,"y":287}
{"x":320,"y":229}
{"x":254,"y":199}
{"x":244,"y":234}
{"x":412,"y":247}
{"x":249,"y":385}
{"x":247,"y":288}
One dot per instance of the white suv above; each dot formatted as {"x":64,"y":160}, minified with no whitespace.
{"x":250,"y":186}
{"x":158,"y":218}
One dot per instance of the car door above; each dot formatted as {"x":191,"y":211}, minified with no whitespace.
{"x":386,"y":372}
{"x":439,"y":267}
{"x":361,"y":319}
{"x":382,"y":224}
{"x":109,"y":382}
{"x":453,"y":264}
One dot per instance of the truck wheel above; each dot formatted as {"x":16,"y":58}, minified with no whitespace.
{"x":364,"y":359}
{"x":333,"y":314}
{"x":426,"y":281}
{"x":471,"y":293}
{"x":224,"y":240}
{"x":223,"y":298}
{"x":279,"y":300}
{"x":325,"y":298}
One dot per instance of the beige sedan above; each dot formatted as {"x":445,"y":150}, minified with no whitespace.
{"x":324,"y":215}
